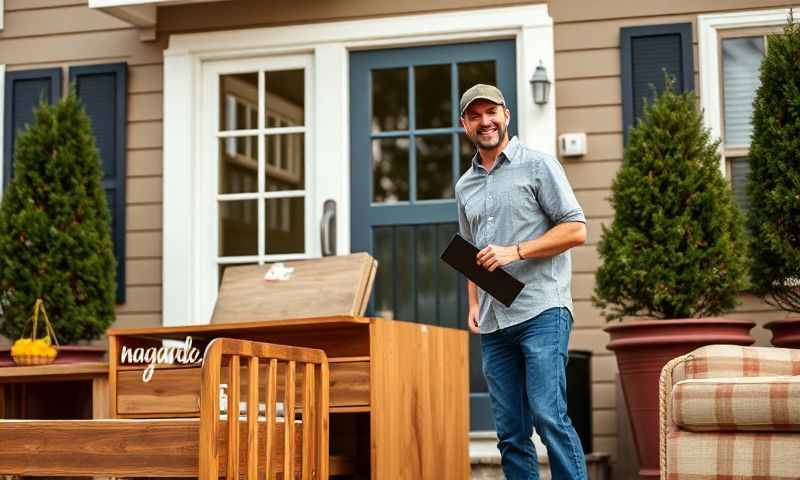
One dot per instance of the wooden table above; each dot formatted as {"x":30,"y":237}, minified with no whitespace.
{"x":12,"y":400}
{"x":399,"y":391}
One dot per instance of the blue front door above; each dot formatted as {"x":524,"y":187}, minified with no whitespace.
{"x":408,"y":151}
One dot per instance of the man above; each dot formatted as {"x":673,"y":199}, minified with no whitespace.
{"x":516,"y":205}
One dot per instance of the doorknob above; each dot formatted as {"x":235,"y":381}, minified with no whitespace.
{"x":327,"y":228}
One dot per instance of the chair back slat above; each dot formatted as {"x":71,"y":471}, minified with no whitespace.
{"x":271,"y":394}
{"x":252,"y":420}
{"x":289,"y":407}
{"x":233,"y":417}
{"x":309,"y":443}
{"x":306,"y":444}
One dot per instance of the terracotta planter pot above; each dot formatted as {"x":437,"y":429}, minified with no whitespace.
{"x":642,"y":349}
{"x":785,"y":333}
{"x":66,"y":354}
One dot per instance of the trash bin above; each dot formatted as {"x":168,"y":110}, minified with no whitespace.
{"x":579,"y":395}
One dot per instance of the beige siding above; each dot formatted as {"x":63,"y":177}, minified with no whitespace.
{"x":588,"y":99}
{"x":252,"y":13}
{"x":63,"y":33}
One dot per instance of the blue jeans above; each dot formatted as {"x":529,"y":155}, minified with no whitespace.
{"x":524,"y":367}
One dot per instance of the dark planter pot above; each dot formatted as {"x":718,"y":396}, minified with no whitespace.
{"x":66,"y":354}
{"x":642,"y":349}
{"x":785,"y":333}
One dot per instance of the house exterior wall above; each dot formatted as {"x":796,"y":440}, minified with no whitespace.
{"x":64,"y":33}
{"x":588,"y":99}
{"x":47,"y":33}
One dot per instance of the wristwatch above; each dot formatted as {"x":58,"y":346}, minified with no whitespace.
{"x":519,"y":252}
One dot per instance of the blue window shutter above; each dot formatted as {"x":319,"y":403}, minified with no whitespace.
{"x":24,"y":90}
{"x":646,"y":52}
{"x":103,"y":90}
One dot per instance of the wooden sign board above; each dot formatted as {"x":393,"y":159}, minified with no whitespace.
{"x":328,"y":286}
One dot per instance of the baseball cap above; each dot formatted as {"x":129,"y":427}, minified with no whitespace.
{"x":481,"y":91}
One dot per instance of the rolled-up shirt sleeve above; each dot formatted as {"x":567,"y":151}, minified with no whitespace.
{"x":554,"y":193}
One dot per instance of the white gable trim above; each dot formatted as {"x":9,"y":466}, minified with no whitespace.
{"x":708,"y":28}
{"x":188,"y":296}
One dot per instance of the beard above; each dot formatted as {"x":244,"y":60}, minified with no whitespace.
{"x":490,"y":144}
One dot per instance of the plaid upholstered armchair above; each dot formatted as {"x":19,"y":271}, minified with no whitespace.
{"x":731,"y":412}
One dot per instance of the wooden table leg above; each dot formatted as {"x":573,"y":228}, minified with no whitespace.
{"x":100,"y":398}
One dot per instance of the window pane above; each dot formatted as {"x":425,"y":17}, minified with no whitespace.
{"x":390,"y":170}
{"x":389,"y":99}
{"x":467,"y":151}
{"x":741,"y":59}
{"x":238,"y":233}
{"x":238,"y":165}
{"x":740,"y":171}
{"x":475,"y":72}
{"x":285,"y":225}
{"x":285,"y":162}
{"x":238,"y":101}
{"x":285,"y":97}
{"x":433,"y":104}
{"x":434,"y":167}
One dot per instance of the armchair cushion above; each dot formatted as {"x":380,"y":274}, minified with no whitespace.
{"x":715,"y":361}
{"x":729,"y":455}
{"x":767,"y":404}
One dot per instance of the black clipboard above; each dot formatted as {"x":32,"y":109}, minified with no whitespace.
{"x":460,"y":254}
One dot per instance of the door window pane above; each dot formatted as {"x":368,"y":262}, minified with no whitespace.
{"x":466,"y":153}
{"x":390,"y":170}
{"x":470,"y":73}
{"x":285,"y":97}
{"x":433,"y":103}
{"x":285,"y":161}
{"x":238,"y":165}
{"x":741,"y":60}
{"x":389,"y":99}
{"x":285,"y":225}
{"x":238,"y":101}
{"x":434,"y":167}
{"x":238,"y":228}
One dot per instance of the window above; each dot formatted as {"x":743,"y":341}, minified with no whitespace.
{"x":731,"y":47}
{"x":741,"y":52}
{"x":261,"y":192}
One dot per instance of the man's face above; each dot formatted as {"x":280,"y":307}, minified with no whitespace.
{"x":486,"y":123}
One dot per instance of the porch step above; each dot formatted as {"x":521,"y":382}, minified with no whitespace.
{"x":485,"y":459}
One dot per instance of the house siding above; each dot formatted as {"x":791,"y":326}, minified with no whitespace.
{"x":588,"y":99}
{"x":46,"y":33}
{"x":61,"y":33}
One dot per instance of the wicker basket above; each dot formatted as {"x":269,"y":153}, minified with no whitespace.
{"x":30,"y":360}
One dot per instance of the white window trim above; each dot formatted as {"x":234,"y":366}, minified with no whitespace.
{"x":189,"y":296}
{"x":2,"y":118}
{"x":709,"y":27}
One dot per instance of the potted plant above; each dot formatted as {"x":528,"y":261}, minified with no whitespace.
{"x":774,"y":184}
{"x":55,"y":239}
{"x":674,"y":255}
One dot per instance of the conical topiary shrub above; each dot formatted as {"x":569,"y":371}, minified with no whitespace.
{"x":55,"y":241}
{"x":774,"y":182}
{"x":674,"y":249}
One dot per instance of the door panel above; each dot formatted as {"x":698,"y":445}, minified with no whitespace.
{"x":408,"y":151}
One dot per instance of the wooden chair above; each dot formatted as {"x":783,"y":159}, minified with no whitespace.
{"x":208,"y":447}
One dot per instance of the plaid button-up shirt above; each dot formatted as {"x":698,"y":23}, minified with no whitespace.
{"x":525,"y":194}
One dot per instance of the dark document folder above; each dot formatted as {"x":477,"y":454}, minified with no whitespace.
{"x":460,"y":254}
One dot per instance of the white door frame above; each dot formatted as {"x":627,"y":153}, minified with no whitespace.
{"x":189,"y":291}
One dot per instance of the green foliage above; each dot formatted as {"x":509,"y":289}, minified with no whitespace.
{"x":55,"y":240}
{"x":675,"y":248}
{"x":774,"y":183}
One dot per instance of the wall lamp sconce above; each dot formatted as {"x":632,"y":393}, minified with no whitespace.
{"x":541,"y":85}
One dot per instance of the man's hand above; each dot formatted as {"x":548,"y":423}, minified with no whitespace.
{"x":472,"y":318}
{"x":494,"y":256}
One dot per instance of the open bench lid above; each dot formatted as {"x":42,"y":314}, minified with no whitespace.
{"x":320,"y":287}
